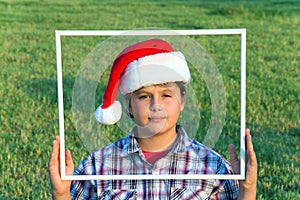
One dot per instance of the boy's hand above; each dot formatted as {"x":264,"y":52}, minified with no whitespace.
{"x":247,"y":188}
{"x":60,"y":188}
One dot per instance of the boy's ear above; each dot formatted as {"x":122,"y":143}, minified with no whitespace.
{"x":128,"y":105}
{"x":183,"y":101}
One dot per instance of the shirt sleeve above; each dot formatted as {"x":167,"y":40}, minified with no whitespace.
{"x":84,"y":189}
{"x":225,"y":189}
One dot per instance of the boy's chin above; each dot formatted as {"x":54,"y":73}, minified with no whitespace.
{"x":150,"y":130}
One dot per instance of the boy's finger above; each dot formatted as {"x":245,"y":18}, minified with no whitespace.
{"x":250,"y":150}
{"x":69,"y":163}
{"x":54,"y":163}
{"x":69,"y":160}
{"x":235,"y":163}
{"x":56,"y":143}
{"x":232,"y":153}
{"x":249,"y":141}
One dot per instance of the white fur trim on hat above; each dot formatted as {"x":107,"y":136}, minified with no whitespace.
{"x":109,"y":115}
{"x":154,"y":69}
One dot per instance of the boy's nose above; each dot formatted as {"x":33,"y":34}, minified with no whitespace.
{"x":156,"y":107}
{"x":155,"y":103}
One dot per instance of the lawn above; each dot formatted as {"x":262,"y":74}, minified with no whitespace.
{"x":28,"y":86}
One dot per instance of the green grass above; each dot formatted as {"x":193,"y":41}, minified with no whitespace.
{"x":28,"y":102}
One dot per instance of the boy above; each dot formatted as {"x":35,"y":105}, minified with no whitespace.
{"x":152,"y":76}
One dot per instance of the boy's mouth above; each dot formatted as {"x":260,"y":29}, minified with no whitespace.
{"x":157,"y":118}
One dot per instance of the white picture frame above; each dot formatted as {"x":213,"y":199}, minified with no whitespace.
{"x":242,"y":32}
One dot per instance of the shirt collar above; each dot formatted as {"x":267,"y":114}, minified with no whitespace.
{"x":183,"y":143}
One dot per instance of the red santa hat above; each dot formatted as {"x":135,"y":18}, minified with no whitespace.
{"x":142,"y":64}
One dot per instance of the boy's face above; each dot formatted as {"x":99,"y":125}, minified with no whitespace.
{"x":156,"y":109}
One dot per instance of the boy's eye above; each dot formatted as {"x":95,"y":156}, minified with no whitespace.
{"x":167,"y":95}
{"x":143,"y":96}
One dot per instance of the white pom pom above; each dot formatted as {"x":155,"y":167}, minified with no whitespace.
{"x":110,"y":115}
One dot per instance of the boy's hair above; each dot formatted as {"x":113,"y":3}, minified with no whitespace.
{"x":179,"y":84}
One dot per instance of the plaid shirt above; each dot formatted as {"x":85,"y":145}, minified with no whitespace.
{"x":125,"y":157}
